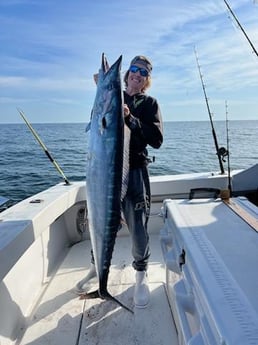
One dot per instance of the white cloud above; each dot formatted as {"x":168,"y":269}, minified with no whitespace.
{"x":50,"y":54}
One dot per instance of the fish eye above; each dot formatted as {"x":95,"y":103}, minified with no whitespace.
{"x":104,"y":122}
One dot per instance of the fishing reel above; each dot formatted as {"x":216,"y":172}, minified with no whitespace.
{"x":222,"y":152}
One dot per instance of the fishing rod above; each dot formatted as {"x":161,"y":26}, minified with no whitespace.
{"x":43,"y":146}
{"x":241,"y":28}
{"x":220,"y":151}
{"x":228,"y":159}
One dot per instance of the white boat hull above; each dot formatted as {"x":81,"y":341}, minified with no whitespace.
{"x":36,"y":237}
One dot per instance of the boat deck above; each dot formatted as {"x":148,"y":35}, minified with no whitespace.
{"x":63,"y":318}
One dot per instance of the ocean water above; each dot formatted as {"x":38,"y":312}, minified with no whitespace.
{"x":188,"y":147}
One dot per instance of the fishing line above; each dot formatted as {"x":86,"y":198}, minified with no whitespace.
{"x":43,"y":146}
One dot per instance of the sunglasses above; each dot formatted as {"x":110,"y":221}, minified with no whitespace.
{"x":143,"y":71}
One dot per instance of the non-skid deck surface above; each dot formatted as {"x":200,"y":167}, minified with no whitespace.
{"x":62,"y":318}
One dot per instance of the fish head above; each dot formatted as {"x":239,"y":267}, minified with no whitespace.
{"x":108,"y":101}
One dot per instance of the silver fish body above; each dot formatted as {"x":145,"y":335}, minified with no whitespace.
{"x":106,"y":171}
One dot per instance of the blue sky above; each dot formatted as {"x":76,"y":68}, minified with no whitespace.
{"x":51,"y":48}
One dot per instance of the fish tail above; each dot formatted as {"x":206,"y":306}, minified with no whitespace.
{"x":108,"y":296}
{"x":104,"y":295}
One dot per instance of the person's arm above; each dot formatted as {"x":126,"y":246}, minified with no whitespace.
{"x":150,"y":126}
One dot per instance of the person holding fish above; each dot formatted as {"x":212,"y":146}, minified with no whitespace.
{"x":143,"y":117}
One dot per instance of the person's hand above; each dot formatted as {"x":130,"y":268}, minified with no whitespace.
{"x":126,"y":110}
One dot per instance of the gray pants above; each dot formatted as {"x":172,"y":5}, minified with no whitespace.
{"x":136,"y":208}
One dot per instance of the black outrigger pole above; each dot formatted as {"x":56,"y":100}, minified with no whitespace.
{"x":241,"y":28}
{"x":220,"y":151}
{"x":43,"y":146}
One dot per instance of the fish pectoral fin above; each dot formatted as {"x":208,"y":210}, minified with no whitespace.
{"x":87,"y":129}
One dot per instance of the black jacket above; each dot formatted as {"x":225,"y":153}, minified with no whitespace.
{"x":146,"y":127}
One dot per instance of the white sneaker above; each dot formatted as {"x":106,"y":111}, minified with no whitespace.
{"x":141,"y":291}
{"x":84,"y":285}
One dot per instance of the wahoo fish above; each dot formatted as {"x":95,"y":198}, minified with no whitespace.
{"x":107,"y":170}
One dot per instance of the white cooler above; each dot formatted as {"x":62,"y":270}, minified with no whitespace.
{"x":211,"y":257}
